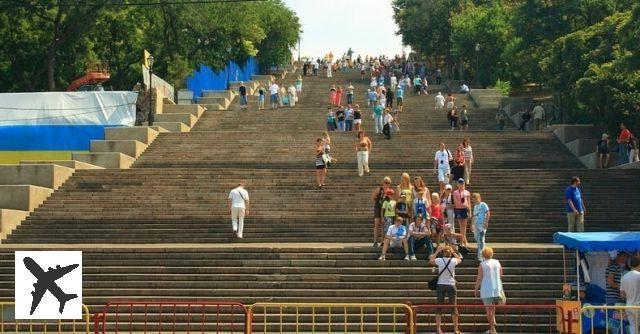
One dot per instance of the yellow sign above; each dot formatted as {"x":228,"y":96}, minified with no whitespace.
{"x":145,"y":58}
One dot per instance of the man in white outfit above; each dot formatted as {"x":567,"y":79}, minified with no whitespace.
{"x":439,"y":101}
{"x":238,"y":207}
{"x":630,"y":290}
{"x":441,"y":166}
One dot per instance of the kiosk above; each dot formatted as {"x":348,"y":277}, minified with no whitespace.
{"x":592,"y":243}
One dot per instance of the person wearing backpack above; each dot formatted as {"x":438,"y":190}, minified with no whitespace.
{"x":602,"y":151}
{"x":446,"y":283}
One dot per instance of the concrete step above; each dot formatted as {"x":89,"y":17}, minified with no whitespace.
{"x":73,"y":164}
{"x":188,"y":119}
{"x":142,"y":134}
{"x":115,"y":160}
{"x":174,"y":126}
{"x":132,"y":148}
{"x":194,"y":109}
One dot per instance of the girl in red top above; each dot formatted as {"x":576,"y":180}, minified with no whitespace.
{"x":437,"y":218}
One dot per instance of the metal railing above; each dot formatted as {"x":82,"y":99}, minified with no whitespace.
{"x":9,"y":324}
{"x":509,"y":318}
{"x":172,"y":317}
{"x":609,"y":319}
{"x":331,"y":318}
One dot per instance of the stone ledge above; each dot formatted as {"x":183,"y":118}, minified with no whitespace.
{"x":143,"y":134}
{"x":9,"y":220}
{"x":23,"y":197}
{"x":188,"y":119}
{"x":42,"y":175}
{"x":132,"y":148}
{"x":115,"y":160}
{"x":65,"y":163}
{"x":174,"y":126}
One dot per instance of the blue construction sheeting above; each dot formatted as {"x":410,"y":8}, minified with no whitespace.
{"x":49,"y":137}
{"x":207,"y":79}
{"x":599,"y":241}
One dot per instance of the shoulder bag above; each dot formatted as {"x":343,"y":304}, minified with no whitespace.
{"x":433,"y":283}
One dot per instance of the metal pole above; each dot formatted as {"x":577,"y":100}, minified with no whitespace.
{"x":151,"y":111}
{"x":578,"y":274}
{"x":299,"y":40}
{"x":477,"y":68}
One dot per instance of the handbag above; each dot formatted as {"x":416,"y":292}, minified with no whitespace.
{"x":463,"y":250}
{"x":433,"y":283}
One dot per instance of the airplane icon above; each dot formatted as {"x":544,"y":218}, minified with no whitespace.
{"x":47,"y":281}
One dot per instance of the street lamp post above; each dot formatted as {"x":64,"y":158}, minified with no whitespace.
{"x":151,"y":109}
{"x":478,"y":64}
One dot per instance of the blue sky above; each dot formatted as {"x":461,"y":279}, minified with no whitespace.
{"x":366,"y":26}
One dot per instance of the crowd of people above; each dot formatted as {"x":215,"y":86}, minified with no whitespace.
{"x":280,"y":95}
{"x":626,"y":147}
{"x":423,"y":218}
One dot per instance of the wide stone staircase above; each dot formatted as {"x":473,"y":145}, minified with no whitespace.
{"x":161,"y":230}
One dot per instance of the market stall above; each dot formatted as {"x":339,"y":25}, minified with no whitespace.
{"x":592,"y":252}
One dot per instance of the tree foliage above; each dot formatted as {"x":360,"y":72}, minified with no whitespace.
{"x":481,"y":33}
{"x":46,"y":44}
{"x":586,"y":50}
{"x":597,"y":70}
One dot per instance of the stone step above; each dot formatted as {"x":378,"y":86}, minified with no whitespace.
{"x":114,"y":160}
{"x":73,"y":164}
{"x":132,"y":148}
{"x":194,"y":109}
{"x":143,"y":134}
{"x":42,"y":175}
{"x":188,"y":119}
{"x":174,"y":126}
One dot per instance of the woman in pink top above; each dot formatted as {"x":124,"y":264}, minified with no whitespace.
{"x":461,"y":208}
{"x":338,"y":96}
{"x":332,"y":96}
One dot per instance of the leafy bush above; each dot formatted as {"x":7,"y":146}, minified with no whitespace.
{"x":503,"y":86}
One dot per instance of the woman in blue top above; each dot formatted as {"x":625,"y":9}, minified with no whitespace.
{"x":481,"y":216}
{"x":331,"y":121}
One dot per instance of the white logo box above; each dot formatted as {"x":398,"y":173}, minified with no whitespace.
{"x":61,"y":273}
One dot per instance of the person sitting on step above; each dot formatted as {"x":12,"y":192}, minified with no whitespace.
{"x":396,"y":237}
{"x":419,"y":236}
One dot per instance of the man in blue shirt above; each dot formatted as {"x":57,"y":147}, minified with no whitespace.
{"x":575,"y":206}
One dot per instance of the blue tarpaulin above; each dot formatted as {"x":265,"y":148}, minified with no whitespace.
{"x":206,"y":78}
{"x":599,"y":241}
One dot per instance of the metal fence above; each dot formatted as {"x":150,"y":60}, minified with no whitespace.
{"x":9,"y":324}
{"x":331,"y":318}
{"x":509,"y":318}
{"x":172,"y":317}
{"x":603,"y":319}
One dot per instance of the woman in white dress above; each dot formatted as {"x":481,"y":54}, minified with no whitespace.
{"x":489,"y":282}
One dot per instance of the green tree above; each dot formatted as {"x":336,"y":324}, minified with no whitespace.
{"x":595,"y":71}
{"x":46,"y":44}
{"x":282,"y":31}
{"x":426,"y":25}
{"x":479,"y":37}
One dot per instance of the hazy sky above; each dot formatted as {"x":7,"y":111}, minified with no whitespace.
{"x":366,"y":26}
